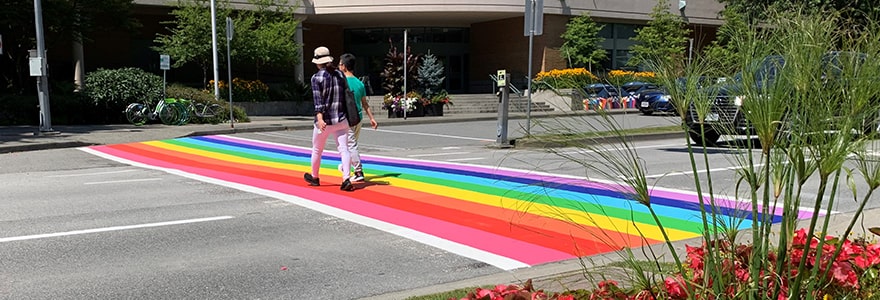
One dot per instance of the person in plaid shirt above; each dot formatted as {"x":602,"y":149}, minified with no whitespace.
{"x":328,"y":87}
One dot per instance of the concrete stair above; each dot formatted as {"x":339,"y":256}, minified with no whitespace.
{"x":488,"y":103}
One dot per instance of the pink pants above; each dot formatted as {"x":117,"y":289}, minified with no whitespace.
{"x":319,"y":140}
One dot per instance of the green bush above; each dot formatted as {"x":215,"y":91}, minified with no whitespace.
{"x":290,"y":91}
{"x":16,"y":109}
{"x":116,"y":88}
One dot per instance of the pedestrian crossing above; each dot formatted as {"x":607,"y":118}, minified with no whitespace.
{"x":505,"y":217}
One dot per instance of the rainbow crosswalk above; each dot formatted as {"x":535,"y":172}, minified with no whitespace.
{"x":507,"y":218}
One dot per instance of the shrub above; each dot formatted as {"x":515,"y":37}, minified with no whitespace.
{"x":564,"y":79}
{"x":290,"y":91}
{"x":619,"y":77}
{"x":115,"y":88}
{"x":203,"y":96}
{"x":243,"y":90}
{"x":16,"y":109}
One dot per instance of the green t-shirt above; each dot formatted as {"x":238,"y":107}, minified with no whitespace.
{"x":360,"y":92}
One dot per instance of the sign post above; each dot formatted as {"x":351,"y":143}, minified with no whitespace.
{"x":165,"y":65}
{"x":501,"y":140}
{"x":229,"y":33}
{"x":534,"y":25}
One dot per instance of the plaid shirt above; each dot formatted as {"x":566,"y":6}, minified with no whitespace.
{"x":327,"y":90}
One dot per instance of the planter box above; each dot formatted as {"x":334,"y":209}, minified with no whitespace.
{"x":566,"y":100}
{"x":278,"y":108}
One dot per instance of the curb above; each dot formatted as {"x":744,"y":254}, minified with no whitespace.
{"x":44,"y":146}
{"x":528,"y":143}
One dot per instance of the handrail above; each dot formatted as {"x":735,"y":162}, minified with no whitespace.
{"x":512,"y":87}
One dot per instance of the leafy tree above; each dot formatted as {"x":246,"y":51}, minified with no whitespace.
{"x":723,"y":50}
{"x":581,"y":45}
{"x":266,"y":36}
{"x":190,"y":40}
{"x":263,"y":36}
{"x":663,"y":39}
{"x":431,"y":76}
{"x":70,"y":20}
{"x":853,"y":12}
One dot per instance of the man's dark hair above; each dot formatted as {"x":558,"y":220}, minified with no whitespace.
{"x":348,"y":61}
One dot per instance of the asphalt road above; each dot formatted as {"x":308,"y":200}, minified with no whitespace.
{"x":77,"y":226}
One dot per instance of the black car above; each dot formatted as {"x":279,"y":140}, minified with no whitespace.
{"x":654,"y":100}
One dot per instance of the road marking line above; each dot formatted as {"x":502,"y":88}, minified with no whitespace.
{"x":437,"y":135}
{"x":114,"y":228}
{"x":122,"y":181}
{"x":465,"y":159}
{"x":90,"y":174}
{"x":309,"y":139}
{"x":587,"y":149}
{"x":437,"y":154}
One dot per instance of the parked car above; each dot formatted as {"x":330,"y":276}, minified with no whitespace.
{"x":601,"y":95}
{"x":654,"y":100}
{"x":630,"y":91}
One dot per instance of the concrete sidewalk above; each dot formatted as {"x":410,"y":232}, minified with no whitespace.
{"x":28,"y":138}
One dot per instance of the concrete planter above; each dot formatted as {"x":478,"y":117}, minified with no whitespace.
{"x":562,"y":99}
{"x":277,"y":108}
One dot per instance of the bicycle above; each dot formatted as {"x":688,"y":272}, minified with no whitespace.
{"x":199,"y":109}
{"x":168,"y":111}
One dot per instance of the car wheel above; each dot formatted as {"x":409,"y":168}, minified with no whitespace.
{"x":708,"y":138}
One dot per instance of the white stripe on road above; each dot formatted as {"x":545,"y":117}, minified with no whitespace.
{"x":437,"y":135}
{"x":105,"y":229}
{"x":465,"y":159}
{"x":90,"y":174}
{"x":309,"y":139}
{"x":122,"y":181}
{"x":437,"y":154}
{"x":588,"y":149}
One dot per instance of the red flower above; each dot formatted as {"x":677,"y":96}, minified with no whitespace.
{"x":674,"y":287}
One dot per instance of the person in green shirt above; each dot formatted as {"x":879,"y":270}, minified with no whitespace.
{"x":346,"y":65}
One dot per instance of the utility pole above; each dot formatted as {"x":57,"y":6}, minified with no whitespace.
{"x":534,"y":25}
{"x":38,"y":69}
{"x":214,"y":48}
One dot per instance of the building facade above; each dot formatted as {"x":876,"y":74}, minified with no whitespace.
{"x":473,"y":39}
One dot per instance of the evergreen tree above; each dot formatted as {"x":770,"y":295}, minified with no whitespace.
{"x":581,"y":46}
{"x":431,"y":76}
{"x":664,"y":38}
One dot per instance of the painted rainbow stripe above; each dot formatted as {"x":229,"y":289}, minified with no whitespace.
{"x":504,"y":217}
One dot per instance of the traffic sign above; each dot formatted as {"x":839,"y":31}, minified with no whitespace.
{"x":229,"y":29}
{"x":534,"y":17}
{"x":164,"y":62}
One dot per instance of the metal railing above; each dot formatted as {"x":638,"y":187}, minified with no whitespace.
{"x":513,"y":88}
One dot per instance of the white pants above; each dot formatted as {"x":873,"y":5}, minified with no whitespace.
{"x":353,"y":134}
{"x":319,"y":140}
